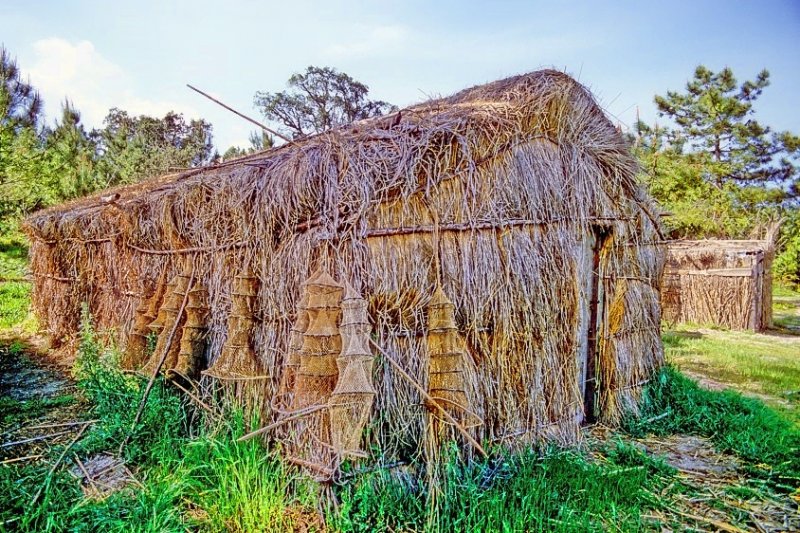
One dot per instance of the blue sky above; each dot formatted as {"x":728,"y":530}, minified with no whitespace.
{"x":139,"y":55}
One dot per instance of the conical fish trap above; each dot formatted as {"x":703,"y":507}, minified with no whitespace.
{"x":136,"y":349}
{"x":170,"y":318}
{"x":238,"y":359}
{"x":315,"y":343}
{"x":446,"y":380}
{"x":317,"y":373}
{"x":284,"y":399}
{"x":351,"y":402}
{"x":193,"y":337}
{"x":159,"y":308}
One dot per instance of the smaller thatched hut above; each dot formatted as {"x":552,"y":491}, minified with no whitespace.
{"x":723,"y":283}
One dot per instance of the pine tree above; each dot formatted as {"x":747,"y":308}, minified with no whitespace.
{"x":714,"y":118}
{"x":20,"y":103}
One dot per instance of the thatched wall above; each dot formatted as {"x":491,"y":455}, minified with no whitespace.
{"x":725,"y":283}
{"x":519,"y":196}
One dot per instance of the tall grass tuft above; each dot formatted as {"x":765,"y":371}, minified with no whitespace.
{"x":192,"y":478}
{"x":552,"y":490}
{"x":115,"y":396}
{"x":674,"y":403}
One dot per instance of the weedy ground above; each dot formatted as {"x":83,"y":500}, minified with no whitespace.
{"x":697,"y":457}
{"x":763,"y":365}
{"x":786,"y":308}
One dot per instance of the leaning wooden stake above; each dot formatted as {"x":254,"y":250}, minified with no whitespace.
{"x":296,"y":416}
{"x":432,"y":401}
{"x":157,"y":368}
{"x":232,"y":110}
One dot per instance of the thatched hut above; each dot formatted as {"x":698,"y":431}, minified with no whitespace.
{"x":725,"y":283}
{"x":484,"y":265}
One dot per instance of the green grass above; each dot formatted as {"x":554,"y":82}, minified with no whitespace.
{"x":13,"y":256}
{"x":197,"y":477}
{"x":15,"y":298}
{"x":14,"y":411}
{"x":675,"y":404}
{"x":553,"y":490}
{"x":14,"y":294}
{"x":786,"y":308}
{"x":566,"y":490}
{"x":194,"y":476}
{"x":756,"y":363}
{"x":784,"y":291}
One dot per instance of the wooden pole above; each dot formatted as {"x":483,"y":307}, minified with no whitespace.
{"x":158,"y":366}
{"x":295,"y":416}
{"x":475,"y":444}
{"x":232,"y":110}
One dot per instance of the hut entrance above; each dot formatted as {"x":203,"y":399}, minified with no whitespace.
{"x":600,"y":238}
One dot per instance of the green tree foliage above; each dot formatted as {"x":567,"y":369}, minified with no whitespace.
{"x":787,"y":264}
{"x":41,"y":166}
{"x":717,"y":170}
{"x":696,"y":207}
{"x":21,"y":189}
{"x":714,"y":117}
{"x":20,"y":113}
{"x":46,"y":166}
{"x":258,"y":141}
{"x":20,"y":104}
{"x":319,"y":99}
{"x":70,"y":159}
{"x":133,"y":148}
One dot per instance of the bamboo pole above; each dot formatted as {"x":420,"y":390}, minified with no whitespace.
{"x":232,"y":110}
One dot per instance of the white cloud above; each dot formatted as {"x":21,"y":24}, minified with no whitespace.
{"x":376,"y":41}
{"x":94,"y":84}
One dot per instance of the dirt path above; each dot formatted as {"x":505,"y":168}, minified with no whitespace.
{"x":39,"y":403}
{"x":721,"y":493}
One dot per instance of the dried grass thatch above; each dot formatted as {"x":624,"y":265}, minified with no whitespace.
{"x":518,"y":198}
{"x":725,"y":283}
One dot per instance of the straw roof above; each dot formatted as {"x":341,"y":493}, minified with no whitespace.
{"x":499,"y":194}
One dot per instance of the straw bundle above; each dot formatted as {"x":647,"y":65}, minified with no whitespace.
{"x":498,"y":191}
